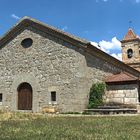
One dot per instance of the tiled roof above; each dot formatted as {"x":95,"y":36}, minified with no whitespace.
{"x":121,"y":77}
{"x":130,"y":35}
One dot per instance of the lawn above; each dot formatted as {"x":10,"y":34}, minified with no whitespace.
{"x":19,"y":126}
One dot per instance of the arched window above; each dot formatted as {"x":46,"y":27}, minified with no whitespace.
{"x":129,"y":53}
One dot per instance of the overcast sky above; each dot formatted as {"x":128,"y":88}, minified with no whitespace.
{"x":100,"y":21}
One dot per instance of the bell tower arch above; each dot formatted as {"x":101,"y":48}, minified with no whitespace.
{"x":131,"y":49}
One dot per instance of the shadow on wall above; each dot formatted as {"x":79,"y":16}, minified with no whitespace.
{"x":121,"y":87}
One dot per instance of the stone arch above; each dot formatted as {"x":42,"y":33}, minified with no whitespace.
{"x":33,"y":81}
{"x":129,"y":53}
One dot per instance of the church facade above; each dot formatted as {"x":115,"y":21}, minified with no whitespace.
{"x":42,"y":67}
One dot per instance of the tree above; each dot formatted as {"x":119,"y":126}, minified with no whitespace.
{"x":96,"y":95}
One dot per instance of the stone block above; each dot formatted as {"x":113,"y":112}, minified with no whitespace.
{"x":109,"y":94}
{"x":131,"y":94}
{"x":130,"y":100}
{"x":115,"y":100}
{"x":119,"y":95}
{"x":49,"y":109}
{"x":138,"y":108}
{"x":120,"y":91}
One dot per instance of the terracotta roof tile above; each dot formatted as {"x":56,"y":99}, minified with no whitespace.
{"x":130,"y":35}
{"x":121,"y":77}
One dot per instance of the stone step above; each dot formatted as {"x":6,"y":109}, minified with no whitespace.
{"x":109,"y":107}
{"x":25,"y":111}
{"x":111,"y":111}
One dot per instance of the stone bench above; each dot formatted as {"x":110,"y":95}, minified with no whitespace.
{"x":111,"y":111}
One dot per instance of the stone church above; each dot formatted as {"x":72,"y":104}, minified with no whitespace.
{"x":41,"y":67}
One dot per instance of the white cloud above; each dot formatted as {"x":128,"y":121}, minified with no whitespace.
{"x":105,"y":0}
{"x":107,"y":46}
{"x":15,"y":16}
{"x":65,"y":28}
{"x":95,"y":44}
{"x":111,"y":47}
{"x":117,"y":56}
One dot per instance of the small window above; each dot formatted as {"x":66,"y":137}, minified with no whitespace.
{"x":129,"y":53}
{"x":27,"y":42}
{"x":53,"y":96}
{"x":0,"y":97}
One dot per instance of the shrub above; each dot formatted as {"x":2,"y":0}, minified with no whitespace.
{"x":96,"y":95}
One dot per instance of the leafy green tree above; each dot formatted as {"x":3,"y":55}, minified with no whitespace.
{"x":96,"y":95}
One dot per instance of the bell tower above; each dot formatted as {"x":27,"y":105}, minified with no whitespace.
{"x":131,"y":49}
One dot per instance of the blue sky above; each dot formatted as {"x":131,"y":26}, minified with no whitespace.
{"x":101,"y":21}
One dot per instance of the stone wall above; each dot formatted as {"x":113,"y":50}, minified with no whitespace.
{"x":125,"y":94}
{"x":134,"y":45}
{"x":50,"y":64}
{"x":135,"y":60}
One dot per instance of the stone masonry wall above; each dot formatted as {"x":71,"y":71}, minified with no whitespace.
{"x":125,"y":94}
{"x":134,"y":62}
{"x":135,"y":47}
{"x":50,"y":64}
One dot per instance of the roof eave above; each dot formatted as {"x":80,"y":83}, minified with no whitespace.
{"x":130,"y":40}
{"x":111,"y":59}
{"x":122,"y":82}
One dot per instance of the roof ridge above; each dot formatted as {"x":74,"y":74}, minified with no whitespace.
{"x":54,"y":28}
{"x":27,"y":20}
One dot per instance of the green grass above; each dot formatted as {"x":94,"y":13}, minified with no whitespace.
{"x":19,"y":126}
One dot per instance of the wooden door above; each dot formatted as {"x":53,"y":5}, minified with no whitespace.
{"x":25,"y":97}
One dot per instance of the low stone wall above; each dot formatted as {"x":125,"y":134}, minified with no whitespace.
{"x":125,"y":94}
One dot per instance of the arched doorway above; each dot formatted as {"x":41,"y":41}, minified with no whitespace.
{"x":25,"y":96}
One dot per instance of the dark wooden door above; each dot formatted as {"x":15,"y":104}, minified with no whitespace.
{"x":25,"y":98}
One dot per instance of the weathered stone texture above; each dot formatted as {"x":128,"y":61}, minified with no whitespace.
{"x":50,"y":64}
{"x":135,"y":60}
{"x":125,"y":94}
{"x":134,"y":45}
